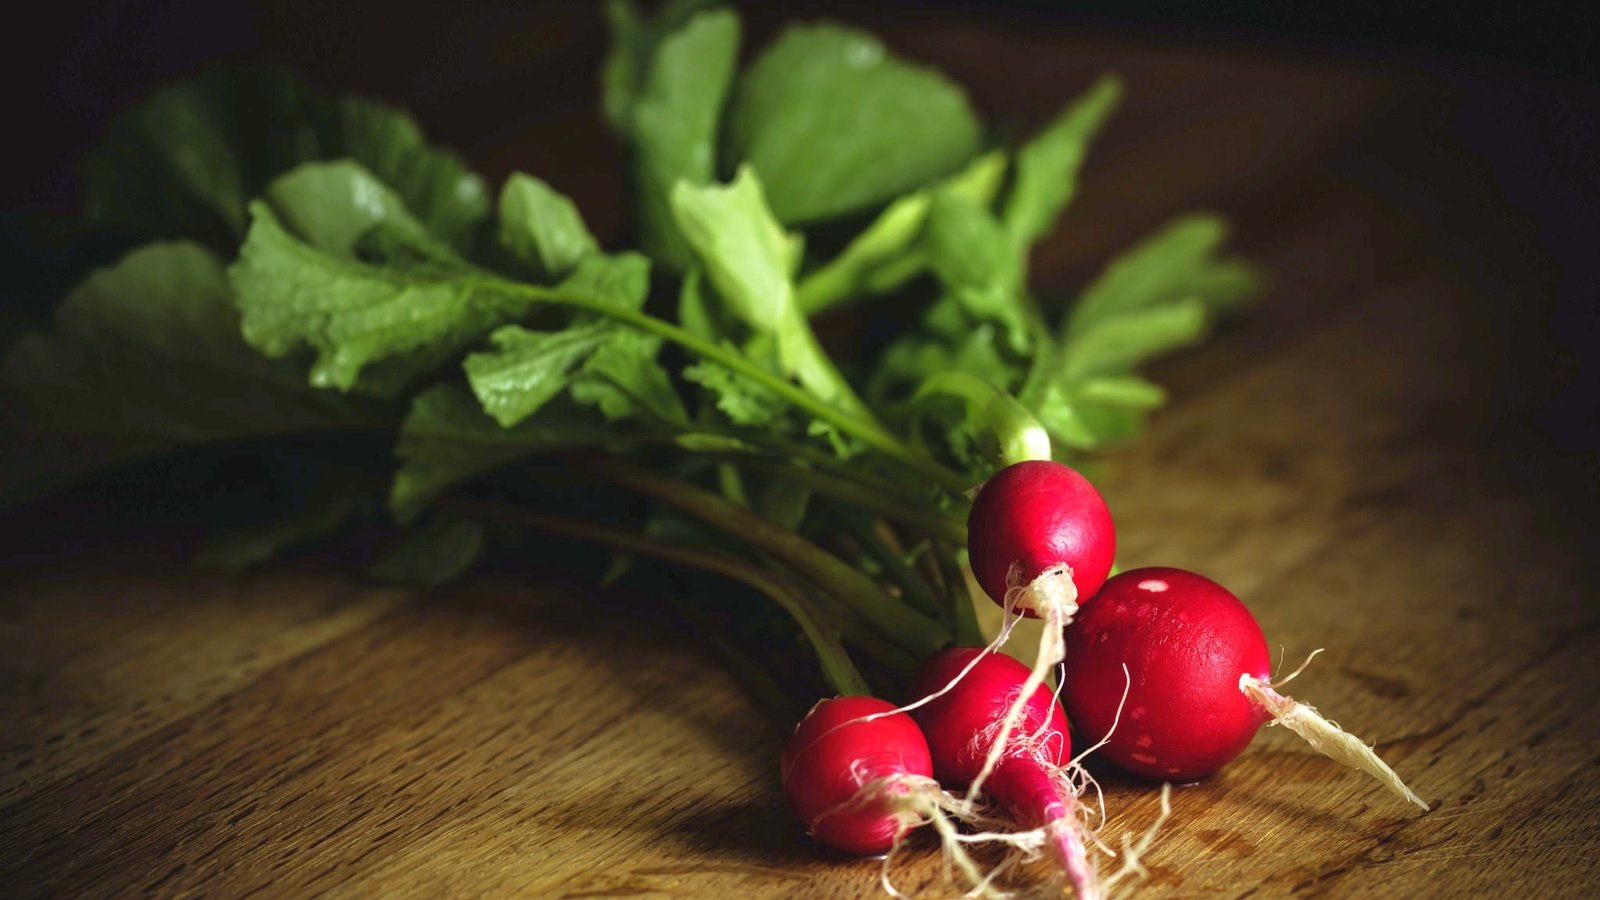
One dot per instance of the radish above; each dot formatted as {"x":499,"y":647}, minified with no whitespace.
{"x":1039,"y":537}
{"x":968,"y":694}
{"x":850,"y":771}
{"x":1198,"y":681}
{"x":858,"y":773}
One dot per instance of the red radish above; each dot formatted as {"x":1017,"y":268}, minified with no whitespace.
{"x":1198,"y":681}
{"x":849,"y":776}
{"x":963,"y":722}
{"x":1039,"y":537}
{"x":1028,"y":521}
{"x":858,"y":773}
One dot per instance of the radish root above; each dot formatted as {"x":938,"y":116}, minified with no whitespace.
{"x":1132,"y":849}
{"x":1324,"y":736}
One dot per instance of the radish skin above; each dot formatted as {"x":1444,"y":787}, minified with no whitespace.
{"x":849,"y":770}
{"x":1201,"y":683}
{"x":963,"y":722}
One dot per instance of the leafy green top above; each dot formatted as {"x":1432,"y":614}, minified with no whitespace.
{"x":318,"y":266}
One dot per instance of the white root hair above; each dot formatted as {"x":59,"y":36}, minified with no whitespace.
{"x":1052,"y":596}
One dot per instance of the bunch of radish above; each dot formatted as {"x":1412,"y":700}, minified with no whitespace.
{"x":1164,"y":671}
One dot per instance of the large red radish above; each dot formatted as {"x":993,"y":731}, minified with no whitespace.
{"x":1198,"y":681}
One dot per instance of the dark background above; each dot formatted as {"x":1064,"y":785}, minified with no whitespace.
{"x":72,"y":63}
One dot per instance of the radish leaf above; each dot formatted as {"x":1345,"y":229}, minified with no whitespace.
{"x":836,"y":125}
{"x":542,"y":229}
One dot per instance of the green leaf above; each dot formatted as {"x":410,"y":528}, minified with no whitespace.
{"x":743,"y":401}
{"x":621,"y":281}
{"x":889,"y":251}
{"x":187,"y":161}
{"x":433,"y":555}
{"x":967,"y":246}
{"x":836,"y":125}
{"x":1100,"y":411}
{"x":1116,"y":345}
{"x":147,"y":354}
{"x":447,"y":439}
{"x":1174,"y":263}
{"x":1122,"y":391}
{"x":254,"y":544}
{"x":606,"y":364}
{"x":975,"y":258}
{"x":527,"y":369}
{"x":695,"y":312}
{"x":542,"y":228}
{"x":334,"y":206}
{"x":1048,"y":165}
{"x":947,"y":341}
{"x":674,"y":123}
{"x":623,"y":379}
{"x":749,"y":259}
{"x":990,"y":417}
{"x":743,"y":251}
{"x":355,"y":314}
{"x":633,"y":46}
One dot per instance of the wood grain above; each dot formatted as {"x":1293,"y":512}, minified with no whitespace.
{"x":1356,"y":459}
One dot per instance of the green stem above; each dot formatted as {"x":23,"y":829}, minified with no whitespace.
{"x":1019,"y":434}
{"x":840,"y":468}
{"x":870,"y":433}
{"x":836,"y":664}
{"x":929,"y":524}
{"x":968,"y":633}
{"x":900,"y":623}
{"x":912,"y":587}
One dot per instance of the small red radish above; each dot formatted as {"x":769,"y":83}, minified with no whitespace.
{"x":850,"y":770}
{"x":1198,"y":681}
{"x":858,"y":773}
{"x":1029,"y":521}
{"x":963,"y":723}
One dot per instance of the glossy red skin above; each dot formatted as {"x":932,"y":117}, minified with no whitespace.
{"x":1040,"y":514}
{"x":1185,"y":648}
{"x":979,"y":700}
{"x":825,"y":765}
{"x":974,"y":704}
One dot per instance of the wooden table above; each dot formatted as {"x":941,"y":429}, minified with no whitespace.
{"x":1381,"y":460}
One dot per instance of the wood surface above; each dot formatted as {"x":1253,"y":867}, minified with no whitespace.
{"x":1379,"y":460}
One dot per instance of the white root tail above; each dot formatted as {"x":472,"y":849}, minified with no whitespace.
{"x":1133,"y":849}
{"x":1324,"y":736}
{"x":1053,"y":597}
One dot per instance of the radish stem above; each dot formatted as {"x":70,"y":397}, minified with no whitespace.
{"x":912,"y":588}
{"x":865,"y":498}
{"x":902,"y":624}
{"x":836,"y":664}
{"x":958,"y":597}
